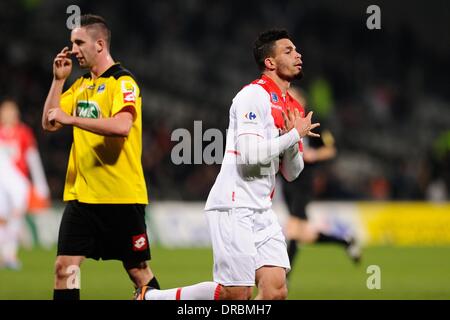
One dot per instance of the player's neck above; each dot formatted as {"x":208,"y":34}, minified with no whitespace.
{"x":103,"y":65}
{"x":281,"y":83}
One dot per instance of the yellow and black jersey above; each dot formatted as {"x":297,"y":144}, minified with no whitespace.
{"x":105,"y":169}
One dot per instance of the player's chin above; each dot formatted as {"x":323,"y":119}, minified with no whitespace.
{"x":298,"y":75}
{"x":83,"y":65}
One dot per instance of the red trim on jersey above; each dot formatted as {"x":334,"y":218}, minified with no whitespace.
{"x":234,"y":152}
{"x":232,"y":196}
{"x":217,"y":292}
{"x":178,"y":295}
{"x":272,"y":193}
{"x":276,"y":99}
{"x":127,"y":108}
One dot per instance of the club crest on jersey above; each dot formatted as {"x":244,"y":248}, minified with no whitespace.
{"x":88,"y":109}
{"x":101,"y":88}
{"x":250,"y":116}
{"x":274,"y":97}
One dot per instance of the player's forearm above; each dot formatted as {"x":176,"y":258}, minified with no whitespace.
{"x":254,"y":150}
{"x":52,"y":101}
{"x":113,"y":127}
{"x":292,"y":163}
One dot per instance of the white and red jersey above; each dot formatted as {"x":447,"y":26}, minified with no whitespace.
{"x":16,"y":141}
{"x":19,"y":145}
{"x":256,"y":111}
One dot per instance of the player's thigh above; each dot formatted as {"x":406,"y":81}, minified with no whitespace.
{"x":269,"y":241}
{"x":233,"y":245}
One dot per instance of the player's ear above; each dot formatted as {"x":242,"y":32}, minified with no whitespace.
{"x":269,"y":62}
{"x":100,"y":45}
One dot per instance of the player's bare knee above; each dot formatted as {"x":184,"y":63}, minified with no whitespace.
{"x":282,"y":293}
{"x":65,"y":267}
{"x":236,"y":293}
{"x":274,"y":294}
{"x":61,"y":270}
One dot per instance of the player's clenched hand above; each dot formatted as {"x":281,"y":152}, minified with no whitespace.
{"x":62,"y":65}
{"x":57,"y":115}
{"x":304,"y":125}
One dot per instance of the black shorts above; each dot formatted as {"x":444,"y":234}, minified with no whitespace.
{"x":298,"y":194}
{"x":104,"y":231}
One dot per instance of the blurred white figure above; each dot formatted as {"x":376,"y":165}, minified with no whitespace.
{"x":22,"y":179}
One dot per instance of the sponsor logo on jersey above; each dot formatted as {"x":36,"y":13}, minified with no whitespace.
{"x":140,"y":242}
{"x":129,"y":92}
{"x":88,"y":109}
{"x":261,"y":81}
{"x":250,"y":116}
{"x":101,"y":88}
{"x":274,"y":97}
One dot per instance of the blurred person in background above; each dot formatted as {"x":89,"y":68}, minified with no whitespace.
{"x":105,"y":190}
{"x":23,"y":182}
{"x":300,"y":192}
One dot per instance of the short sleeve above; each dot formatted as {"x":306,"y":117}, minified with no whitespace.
{"x":67,"y":99}
{"x":126,"y":95}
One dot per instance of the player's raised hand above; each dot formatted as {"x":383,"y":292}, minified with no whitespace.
{"x":304,"y":125}
{"x":289,"y":121}
{"x":62,"y":65}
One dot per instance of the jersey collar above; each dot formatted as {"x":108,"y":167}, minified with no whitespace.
{"x":107,"y":73}
{"x":273,"y":86}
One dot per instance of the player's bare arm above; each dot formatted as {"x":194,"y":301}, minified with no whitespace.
{"x":62,"y":67}
{"x":116,"y":126}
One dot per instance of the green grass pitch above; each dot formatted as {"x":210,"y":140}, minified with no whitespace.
{"x":320,"y":272}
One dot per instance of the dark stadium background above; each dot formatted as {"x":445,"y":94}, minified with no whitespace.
{"x":389,"y":88}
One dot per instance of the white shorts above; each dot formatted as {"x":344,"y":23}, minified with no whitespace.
{"x":14,"y":191}
{"x":243,"y":241}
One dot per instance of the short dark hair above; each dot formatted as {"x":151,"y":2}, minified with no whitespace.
{"x":88,"y":20}
{"x":263,"y":46}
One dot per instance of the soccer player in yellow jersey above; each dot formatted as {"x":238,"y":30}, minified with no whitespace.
{"x":105,"y":188}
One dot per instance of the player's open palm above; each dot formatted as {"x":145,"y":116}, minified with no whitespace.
{"x":304,"y":125}
{"x":62,"y":65}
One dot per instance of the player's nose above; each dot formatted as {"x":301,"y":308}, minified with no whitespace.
{"x":75,"y":49}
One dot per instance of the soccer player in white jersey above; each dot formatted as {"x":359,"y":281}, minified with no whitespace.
{"x":265,"y":131}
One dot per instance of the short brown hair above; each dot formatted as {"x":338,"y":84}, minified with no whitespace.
{"x":88,"y":20}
